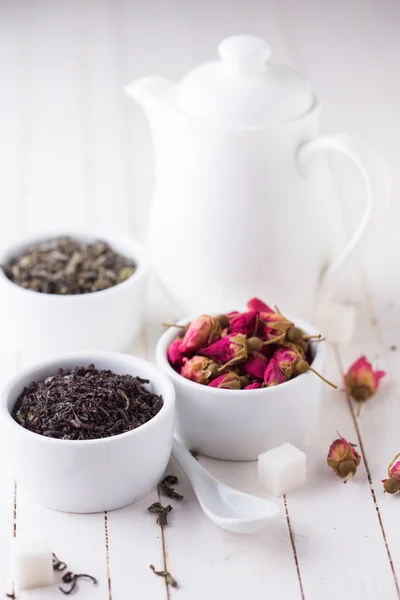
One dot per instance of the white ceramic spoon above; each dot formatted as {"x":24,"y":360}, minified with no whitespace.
{"x":228,"y":508}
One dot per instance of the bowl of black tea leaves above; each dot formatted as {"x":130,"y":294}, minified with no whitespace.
{"x":89,"y":432}
{"x":73,"y":292}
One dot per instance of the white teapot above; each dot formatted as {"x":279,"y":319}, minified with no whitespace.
{"x":242,"y":204}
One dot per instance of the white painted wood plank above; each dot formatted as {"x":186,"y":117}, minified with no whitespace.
{"x":135,"y":543}
{"x":209,"y":562}
{"x":334,"y":523}
{"x":8,"y":365}
{"x":378,"y":336}
{"x":79,"y":540}
{"x":106,"y":166}
{"x":135,"y":539}
{"x":13,"y":112}
{"x":57,"y":185}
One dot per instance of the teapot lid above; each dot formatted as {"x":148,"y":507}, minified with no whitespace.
{"x":242,"y":88}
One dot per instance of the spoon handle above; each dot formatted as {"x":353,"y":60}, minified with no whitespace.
{"x":193,"y":469}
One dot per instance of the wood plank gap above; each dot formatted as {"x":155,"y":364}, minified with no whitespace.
{"x":164,"y":551}
{"x":371,"y":487}
{"x":293,"y":544}
{"x":15,"y":510}
{"x":373,"y":318}
{"x":106,"y":533}
{"x":18,"y":360}
{"x":144,"y":345}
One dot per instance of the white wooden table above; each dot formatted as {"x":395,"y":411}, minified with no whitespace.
{"x":75,"y":151}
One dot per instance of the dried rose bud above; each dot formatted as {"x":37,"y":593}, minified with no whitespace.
{"x":392,"y":485}
{"x":255,"y":365}
{"x":270,"y":335}
{"x":291,"y":364}
{"x":199,"y":369}
{"x":229,"y":381}
{"x":343,"y":459}
{"x":273,"y":375}
{"x":361,"y":381}
{"x":253,"y":386}
{"x":246,"y":323}
{"x":300,"y":347}
{"x":276,"y":321}
{"x":224,"y":332}
{"x":259,"y":306}
{"x":201,"y":332}
{"x":286,"y":359}
{"x":175,"y":354}
{"x":229,"y":350}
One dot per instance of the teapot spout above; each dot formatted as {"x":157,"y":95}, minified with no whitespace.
{"x":149,"y":92}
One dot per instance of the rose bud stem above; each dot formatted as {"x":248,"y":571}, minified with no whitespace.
{"x":174,"y":325}
{"x":302,"y":366}
{"x":295,"y":334}
{"x":278,"y":338}
{"x":347,"y":469}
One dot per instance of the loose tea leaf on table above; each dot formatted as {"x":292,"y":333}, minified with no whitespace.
{"x":58,"y":565}
{"x":71,"y":578}
{"x":165,"y":487}
{"x":66,"y":266}
{"x":85,"y":404}
{"x":168,"y":577}
{"x":161,"y":511}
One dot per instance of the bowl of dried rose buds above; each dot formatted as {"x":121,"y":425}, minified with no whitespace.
{"x":244,"y":381}
{"x":71,"y":292}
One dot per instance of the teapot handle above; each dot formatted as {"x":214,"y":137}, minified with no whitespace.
{"x":377,"y":179}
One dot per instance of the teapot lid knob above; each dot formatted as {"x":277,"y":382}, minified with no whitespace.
{"x":245,"y":52}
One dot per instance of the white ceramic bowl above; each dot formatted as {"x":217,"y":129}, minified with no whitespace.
{"x":95,"y":475}
{"x":241,"y":424}
{"x":47,"y":324}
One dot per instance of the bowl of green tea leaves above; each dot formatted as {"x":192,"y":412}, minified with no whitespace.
{"x":73,"y":292}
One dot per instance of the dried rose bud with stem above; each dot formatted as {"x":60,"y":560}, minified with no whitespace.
{"x":291,"y":363}
{"x":229,"y":381}
{"x":199,"y":369}
{"x":343,"y":459}
{"x":232,"y":349}
{"x":362,"y":381}
{"x":392,"y":484}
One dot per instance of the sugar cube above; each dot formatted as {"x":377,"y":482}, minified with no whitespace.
{"x":31,"y":563}
{"x":282,"y":469}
